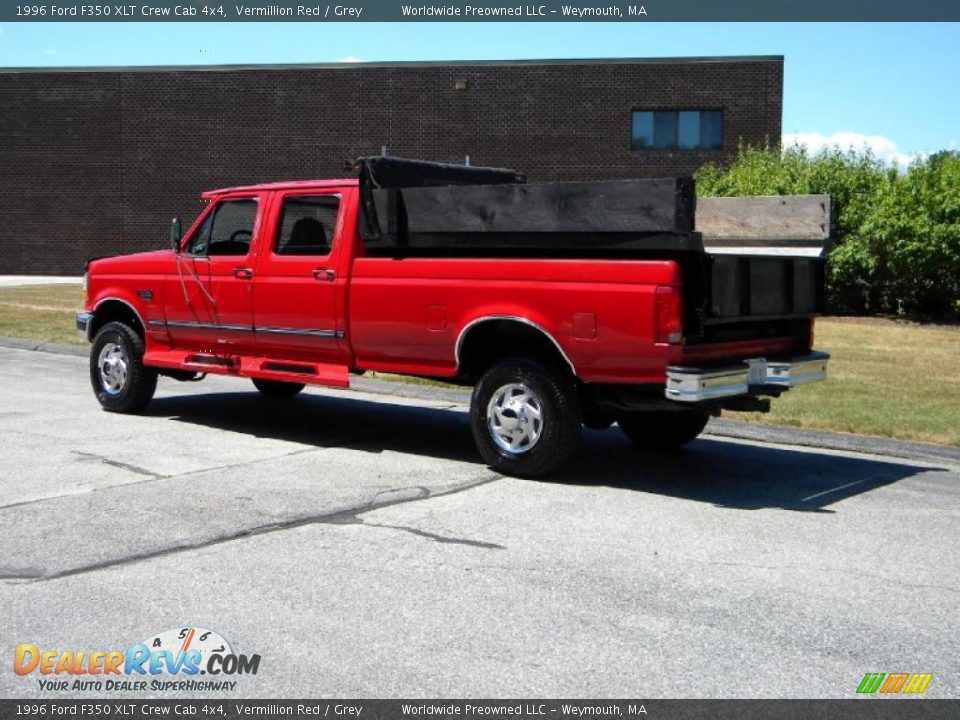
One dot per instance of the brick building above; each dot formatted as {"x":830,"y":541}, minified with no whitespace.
{"x":96,"y":161}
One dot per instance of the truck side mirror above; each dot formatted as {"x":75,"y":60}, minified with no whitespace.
{"x":175,"y":235}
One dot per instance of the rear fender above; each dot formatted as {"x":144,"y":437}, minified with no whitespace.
{"x":532,"y":320}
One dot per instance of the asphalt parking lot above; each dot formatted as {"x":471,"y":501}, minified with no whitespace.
{"x":357,"y":543}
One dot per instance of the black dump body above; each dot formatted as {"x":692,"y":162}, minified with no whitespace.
{"x":414,"y":208}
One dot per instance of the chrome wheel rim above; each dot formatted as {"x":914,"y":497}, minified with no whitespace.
{"x":112,"y":366}
{"x":515,"y":418}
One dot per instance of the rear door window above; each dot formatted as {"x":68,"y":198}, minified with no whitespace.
{"x":307,"y":224}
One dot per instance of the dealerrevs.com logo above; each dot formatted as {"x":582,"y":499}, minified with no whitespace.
{"x":171,"y":660}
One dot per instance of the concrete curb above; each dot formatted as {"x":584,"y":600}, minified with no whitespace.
{"x":453,"y":395}
{"x":718,"y":427}
{"x":42,"y":346}
{"x":833,"y":440}
{"x":11,"y":281}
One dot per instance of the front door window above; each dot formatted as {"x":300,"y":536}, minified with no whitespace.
{"x":227,"y":230}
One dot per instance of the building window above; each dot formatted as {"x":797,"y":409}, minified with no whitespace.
{"x":677,"y":129}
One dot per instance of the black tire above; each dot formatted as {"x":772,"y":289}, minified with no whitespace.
{"x":663,"y":430}
{"x":126,"y":391}
{"x":278,"y":389}
{"x":553,"y":392}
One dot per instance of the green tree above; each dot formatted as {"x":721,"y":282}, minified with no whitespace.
{"x":913,"y":237}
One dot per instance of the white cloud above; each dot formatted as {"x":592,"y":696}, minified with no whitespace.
{"x":883,"y":147}
{"x":350,"y":59}
{"x":50,"y":52}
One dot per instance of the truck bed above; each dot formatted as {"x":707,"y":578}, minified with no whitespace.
{"x":745,"y":287}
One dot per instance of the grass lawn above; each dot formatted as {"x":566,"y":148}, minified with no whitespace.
{"x":887,"y":378}
{"x":41,"y":312}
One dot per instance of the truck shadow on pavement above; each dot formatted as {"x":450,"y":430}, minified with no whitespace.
{"x":736,"y":473}
{"x":726,"y":473}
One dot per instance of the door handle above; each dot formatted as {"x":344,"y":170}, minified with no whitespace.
{"x":324,"y":274}
{"x":243,"y":273}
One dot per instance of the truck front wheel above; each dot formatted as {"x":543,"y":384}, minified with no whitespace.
{"x":525,"y":418}
{"x":663,"y":430}
{"x":121,"y":382}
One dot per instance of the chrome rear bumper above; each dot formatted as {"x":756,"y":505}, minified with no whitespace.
{"x":797,"y":371}
{"x":692,"y":384}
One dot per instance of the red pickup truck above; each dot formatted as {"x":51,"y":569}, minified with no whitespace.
{"x":292,"y":283}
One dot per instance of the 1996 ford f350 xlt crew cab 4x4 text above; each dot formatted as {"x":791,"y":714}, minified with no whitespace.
{"x":562,"y":304}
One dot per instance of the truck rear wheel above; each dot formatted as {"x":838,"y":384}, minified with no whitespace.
{"x":277,"y":388}
{"x":121,"y":382}
{"x":663,"y":430}
{"x":525,"y":418}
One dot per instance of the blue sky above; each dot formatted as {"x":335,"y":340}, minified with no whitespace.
{"x":891,"y":86}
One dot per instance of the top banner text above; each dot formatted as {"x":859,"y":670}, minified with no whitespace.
{"x":491,"y":11}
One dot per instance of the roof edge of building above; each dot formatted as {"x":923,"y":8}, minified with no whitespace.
{"x":240,"y":67}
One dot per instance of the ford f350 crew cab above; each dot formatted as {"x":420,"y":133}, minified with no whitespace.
{"x":562,"y":304}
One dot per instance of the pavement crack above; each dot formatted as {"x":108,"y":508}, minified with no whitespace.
{"x":847,"y":571}
{"x":149,"y":476}
{"x":27,"y":573}
{"x":348,"y":516}
{"x":437,"y":538}
{"x":245,"y":463}
{"x":33,"y":434}
{"x":136,"y":469}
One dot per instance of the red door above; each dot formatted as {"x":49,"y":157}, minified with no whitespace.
{"x":299,"y":287}
{"x":210,"y":305}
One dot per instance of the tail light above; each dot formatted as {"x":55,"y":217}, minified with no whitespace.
{"x":667,"y":315}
